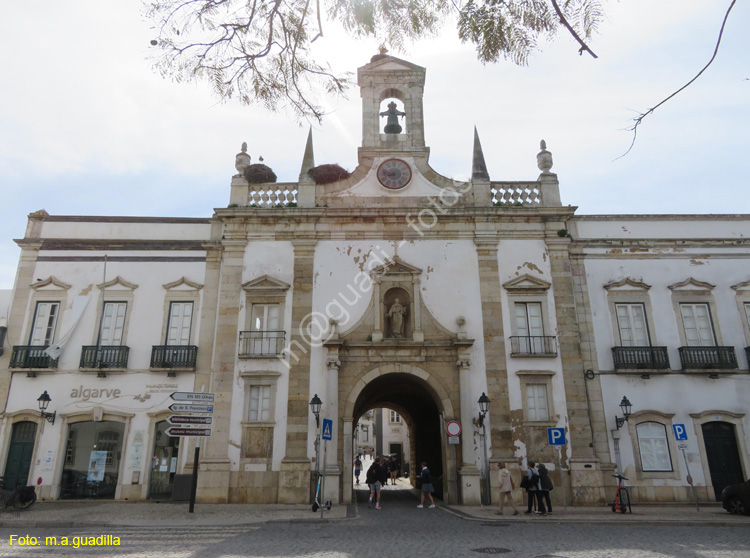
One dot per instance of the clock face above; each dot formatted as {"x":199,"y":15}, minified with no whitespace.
{"x":394,"y":174}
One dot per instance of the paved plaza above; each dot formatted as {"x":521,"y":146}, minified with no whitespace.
{"x":167,"y":530}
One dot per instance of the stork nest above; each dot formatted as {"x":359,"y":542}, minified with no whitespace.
{"x":326,"y":174}
{"x":259,"y":174}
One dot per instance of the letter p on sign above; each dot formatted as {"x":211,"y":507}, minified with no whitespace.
{"x":679,"y":432}
{"x":556,"y":436}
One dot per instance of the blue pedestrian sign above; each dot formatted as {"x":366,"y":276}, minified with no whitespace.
{"x":556,"y":436}
{"x":679,"y":432}
{"x":327,"y":429}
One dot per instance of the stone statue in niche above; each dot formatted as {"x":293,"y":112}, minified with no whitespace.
{"x":396,"y":315}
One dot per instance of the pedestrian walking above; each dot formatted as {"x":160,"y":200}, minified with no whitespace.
{"x":427,"y":487}
{"x":506,"y":486}
{"x":546,"y":484}
{"x":375,"y":479}
{"x":393,"y":468}
{"x":534,"y":489}
{"x":357,"y":468}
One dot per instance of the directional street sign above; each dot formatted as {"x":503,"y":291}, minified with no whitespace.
{"x":176,"y":431}
{"x":186,"y":408}
{"x":556,"y":436}
{"x":192,"y":396}
{"x":327,"y":429}
{"x":187,"y":419}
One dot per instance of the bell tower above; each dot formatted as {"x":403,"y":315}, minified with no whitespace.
{"x":388,"y":130}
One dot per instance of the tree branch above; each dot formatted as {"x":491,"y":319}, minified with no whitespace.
{"x":564,"y":21}
{"x":638,"y":119}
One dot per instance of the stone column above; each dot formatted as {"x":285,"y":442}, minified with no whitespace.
{"x":331,"y":406}
{"x":377,"y":331}
{"x":585,"y":472}
{"x":294,"y":477}
{"x":221,"y":316}
{"x":498,"y":420}
{"x":347,"y":475}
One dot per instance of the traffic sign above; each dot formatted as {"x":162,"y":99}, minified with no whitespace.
{"x":187,"y":408}
{"x":682,"y":446}
{"x":327,"y":429}
{"x":679,"y":432}
{"x":453,"y":427}
{"x":556,"y":436}
{"x":176,"y":431}
{"x":179,"y":419}
{"x":192,"y":396}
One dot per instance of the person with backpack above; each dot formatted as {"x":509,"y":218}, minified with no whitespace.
{"x":375,"y":478}
{"x":534,"y":489}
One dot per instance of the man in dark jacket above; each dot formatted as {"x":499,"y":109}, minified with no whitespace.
{"x":376,"y":478}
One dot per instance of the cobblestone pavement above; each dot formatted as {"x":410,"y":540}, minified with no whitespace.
{"x":399,"y":529}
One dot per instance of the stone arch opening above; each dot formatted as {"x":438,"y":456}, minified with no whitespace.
{"x":422,"y":409}
{"x":393,"y":113}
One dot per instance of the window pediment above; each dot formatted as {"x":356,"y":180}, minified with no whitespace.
{"x":627,"y":284}
{"x":118,"y":282}
{"x":691,"y":284}
{"x":744,"y":286}
{"x":50,"y":283}
{"x":527,"y":284}
{"x":183,"y":284}
{"x":265,"y":285}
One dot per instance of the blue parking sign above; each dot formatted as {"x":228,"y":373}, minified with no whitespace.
{"x":679,"y":432}
{"x":556,"y":436}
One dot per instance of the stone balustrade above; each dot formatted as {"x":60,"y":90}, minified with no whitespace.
{"x":528,"y":194}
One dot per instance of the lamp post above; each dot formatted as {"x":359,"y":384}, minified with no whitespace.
{"x":315,"y":405}
{"x":626,"y":407}
{"x":44,"y":400}
{"x":484,"y":407}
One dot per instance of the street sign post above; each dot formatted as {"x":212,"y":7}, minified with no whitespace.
{"x":192,"y":396}
{"x":326,"y":434}
{"x":453,"y":428}
{"x":177,"y":431}
{"x":327,"y":429}
{"x":188,"y":419}
{"x":188,"y":408}
{"x":556,"y":437}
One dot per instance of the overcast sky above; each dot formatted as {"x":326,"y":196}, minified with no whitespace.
{"x":88,"y":128}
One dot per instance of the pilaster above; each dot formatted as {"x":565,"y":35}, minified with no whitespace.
{"x":501,"y":435}
{"x":294,"y":478}
{"x":585,"y":470}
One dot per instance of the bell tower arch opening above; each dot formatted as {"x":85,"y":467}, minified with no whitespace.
{"x":421,"y":408}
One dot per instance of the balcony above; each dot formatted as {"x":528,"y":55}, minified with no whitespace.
{"x":708,"y":358}
{"x":174,"y":356}
{"x":31,"y":356}
{"x":261,"y":343}
{"x":539,"y":345}
{"x":107,"y":356}
{"x":640,"y":358}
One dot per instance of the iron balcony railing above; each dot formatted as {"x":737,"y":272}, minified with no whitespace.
{"x":174,"y":356}
{"x":105,"y":356}
{"x":533,"y":345}
{"x":31,"y":356}
{"x":261,"y":343}
{"x":640,"y":358}
{"x":708,"y":357}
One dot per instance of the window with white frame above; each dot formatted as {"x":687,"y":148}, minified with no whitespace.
{"x":113,"y":323}
{"x":264,"y":329}
{"x":536,"y":402}
{"x":108,"y":441}
{"x":365,"y":433}
{"x":395,"y":417}
{"x":180,"y":322}
{"x":697,"y":325}
{"x":653,"y":446}
{"x":631,"y":321}
{"x":45,"y":323}
{"x":259,"y":404}
{"x":529,"y":328}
